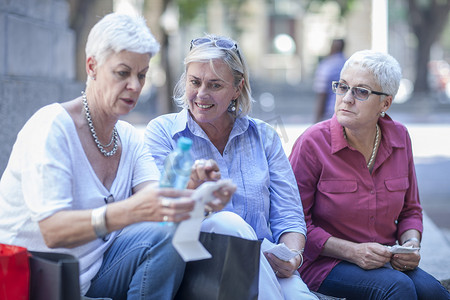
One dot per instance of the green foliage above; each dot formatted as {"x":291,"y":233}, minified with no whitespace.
{"x":193,"y":9}
{"x":445,"y":38}
{"x":345,"y":5}
{"x":189,"y":9}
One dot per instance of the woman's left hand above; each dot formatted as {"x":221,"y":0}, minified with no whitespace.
{"x":282,"y":268}
{"x":405,"y":261}
{"x":223,"y":196}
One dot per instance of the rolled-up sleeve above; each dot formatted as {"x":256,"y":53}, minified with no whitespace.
{"x":286,"y":212}
{"x":411,"y":214}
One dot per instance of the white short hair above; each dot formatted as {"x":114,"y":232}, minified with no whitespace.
{"x":382,"y":66}
{"x":117,"y":32}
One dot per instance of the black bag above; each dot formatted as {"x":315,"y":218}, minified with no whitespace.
{"x":231,"y":273}
{"x":54,"y":276}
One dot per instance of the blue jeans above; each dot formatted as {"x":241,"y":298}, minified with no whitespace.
{"x":140,"y":264}
{"x":352,"y":282}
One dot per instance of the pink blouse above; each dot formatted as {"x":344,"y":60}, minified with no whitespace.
{"x":341,"y":198}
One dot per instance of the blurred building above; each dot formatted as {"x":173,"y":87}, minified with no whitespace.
{"x":38,"y":59}
{"x":42,"y":54}
{"x":42,"y":60}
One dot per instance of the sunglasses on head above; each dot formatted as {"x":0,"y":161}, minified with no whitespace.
{"x":220,"y":43}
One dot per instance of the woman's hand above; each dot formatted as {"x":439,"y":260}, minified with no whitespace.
{"x":203,"y":170}
{"x":406,"y":261}
{"x":223,"y":196}
{"x":282,"y":268}
{"x":156,"y":204}
{"x":371,"y":255}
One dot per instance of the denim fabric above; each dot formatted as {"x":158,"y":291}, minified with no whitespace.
{"x":140,"y":264}
{"x":352,"y":282}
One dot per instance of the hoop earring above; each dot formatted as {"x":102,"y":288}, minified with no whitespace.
{"x":232,"y":106}
{"x":382,"y":114}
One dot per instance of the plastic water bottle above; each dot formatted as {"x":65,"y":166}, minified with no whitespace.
{"x":177,"y":166}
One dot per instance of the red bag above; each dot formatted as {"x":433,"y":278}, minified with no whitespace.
{"x":14,"y":273}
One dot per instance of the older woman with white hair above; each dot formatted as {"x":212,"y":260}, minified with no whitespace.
{"x":214,"y":92}
{"x":357,"y":180}
{"x":78,"y":179}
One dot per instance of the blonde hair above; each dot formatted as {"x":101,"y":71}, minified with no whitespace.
{"x":208,"y":52}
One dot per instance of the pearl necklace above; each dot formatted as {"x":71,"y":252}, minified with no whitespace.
{"x":100,"y":146}
{"x":375,"y":145}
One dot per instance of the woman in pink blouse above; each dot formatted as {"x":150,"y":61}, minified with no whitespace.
{"x":357,"y":182}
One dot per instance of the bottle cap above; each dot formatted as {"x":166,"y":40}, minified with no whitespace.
{"x":184,"y":143}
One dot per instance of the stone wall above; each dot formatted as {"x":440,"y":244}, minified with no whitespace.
{"x":37,"y":63}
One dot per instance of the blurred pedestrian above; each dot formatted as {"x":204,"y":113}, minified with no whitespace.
{"x":328,"y":70}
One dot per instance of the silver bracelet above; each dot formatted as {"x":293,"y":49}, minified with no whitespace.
{"x":299,"y":252}
{"x":98,"y":221}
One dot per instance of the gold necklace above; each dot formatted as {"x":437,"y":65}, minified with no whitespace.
{"x":375,"y":145}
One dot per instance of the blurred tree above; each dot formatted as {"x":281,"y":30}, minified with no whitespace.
{"x":188,"y":11}
{"x":427,"y":20}
{"x":345,"y":5}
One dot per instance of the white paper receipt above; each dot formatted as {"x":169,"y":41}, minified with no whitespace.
{"x":281,"y":250}
{"x":401,"y":249}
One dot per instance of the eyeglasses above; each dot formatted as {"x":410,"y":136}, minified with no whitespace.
{"x":359,"y":93}
{"x":225,"y":44}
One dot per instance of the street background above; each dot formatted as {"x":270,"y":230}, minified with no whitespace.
{"x":42,"y":61}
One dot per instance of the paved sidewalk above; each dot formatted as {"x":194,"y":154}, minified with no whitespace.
{"x":435,"y":252}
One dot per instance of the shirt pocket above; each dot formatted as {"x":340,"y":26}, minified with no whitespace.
{"x":335,"y":197}
{"x":397,"y":184}
{"x":338,"y":186}
{"x":395,"y":195}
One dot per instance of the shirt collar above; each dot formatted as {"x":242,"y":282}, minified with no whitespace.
{"x":184,"y":121}
{"x":390,"y":134}
{"x":338,"y":141}
{"x":180,"y":123}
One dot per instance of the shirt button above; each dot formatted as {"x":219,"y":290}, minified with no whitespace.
{"x":372,"y":192}
{"x":225,"y":152}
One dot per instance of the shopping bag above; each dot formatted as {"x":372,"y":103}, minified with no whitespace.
{"x":231,"y":273}
{"x":54,"y":276}
{"x":14,"y":273}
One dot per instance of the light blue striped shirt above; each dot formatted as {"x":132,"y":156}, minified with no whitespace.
{"x":267,"y":195}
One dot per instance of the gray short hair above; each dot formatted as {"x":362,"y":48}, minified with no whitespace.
{"x":382,"y":66}
{"x":116,"y":32}
{"x":232,"y":57}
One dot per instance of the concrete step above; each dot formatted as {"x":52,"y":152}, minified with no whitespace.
{"x":435,"y":251}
